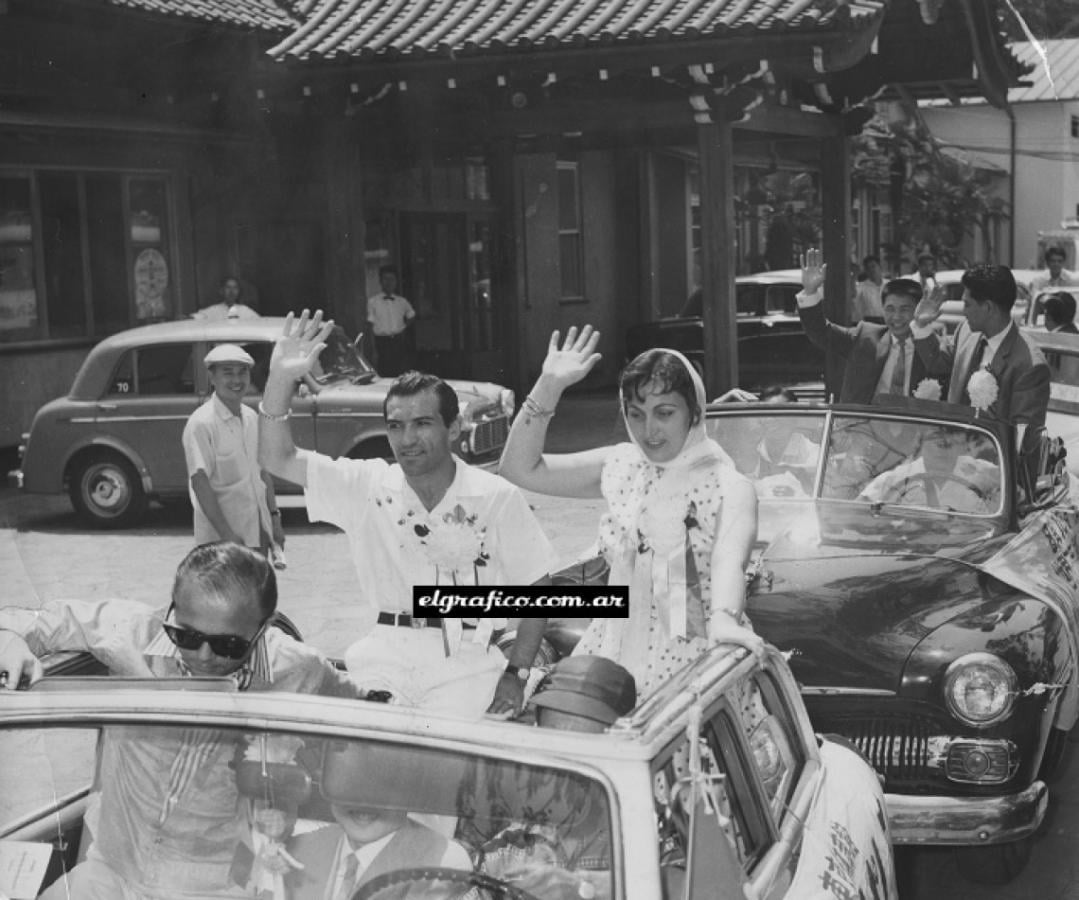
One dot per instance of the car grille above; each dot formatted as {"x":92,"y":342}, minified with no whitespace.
{"x":490,"y":435}
{"x":897,"y":748}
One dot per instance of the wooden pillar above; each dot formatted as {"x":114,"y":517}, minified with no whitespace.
{"x":506,"y":290}
{"x":715,"y":144}
{"x":836,"y":203}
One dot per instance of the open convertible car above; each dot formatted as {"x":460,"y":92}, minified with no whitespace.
{"x":715,"y":786}
{"x":922,"y":576}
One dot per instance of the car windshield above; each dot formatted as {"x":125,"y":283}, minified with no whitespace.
{"x":872,"y":459}
{"x":213,"y":810}
{"x":341,"y":361}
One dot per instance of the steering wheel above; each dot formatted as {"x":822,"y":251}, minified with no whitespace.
{"x":403,"y":882}
{"x":934,"y":483}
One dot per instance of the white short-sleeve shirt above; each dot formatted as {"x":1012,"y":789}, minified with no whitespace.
{"x":388,"y":313}
{"x":225,"y":447}
{"x":482,"y":532}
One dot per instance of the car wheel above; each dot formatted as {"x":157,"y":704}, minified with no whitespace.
{"x":376,"y":448}
{"x":995,"y":863}
{"x":106,"y":490}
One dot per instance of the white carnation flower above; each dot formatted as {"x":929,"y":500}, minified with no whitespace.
{"x":983,"y":389}
{"x":928,"y":389}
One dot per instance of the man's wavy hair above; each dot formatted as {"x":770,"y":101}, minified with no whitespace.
{"x":231,"y":571}
{"x":412,"y":383}
{"x":658,"y":372}
{"x":993,"y":283}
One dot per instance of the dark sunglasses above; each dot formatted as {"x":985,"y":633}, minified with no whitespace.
{"x":230,"y":646}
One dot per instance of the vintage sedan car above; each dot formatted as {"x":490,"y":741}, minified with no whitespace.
{"x":686,"y":797}
{"x":1061,"y":351}
{"x":772,"y":346}
{"x":114,"y":441}
{"x":923,"y":580}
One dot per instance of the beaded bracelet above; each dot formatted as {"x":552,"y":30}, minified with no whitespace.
{"x":530,"y":406}
{"x":271,"y":417}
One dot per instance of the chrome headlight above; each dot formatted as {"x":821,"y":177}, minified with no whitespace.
{"x":979,"y":689}
{"x":508,"y":401}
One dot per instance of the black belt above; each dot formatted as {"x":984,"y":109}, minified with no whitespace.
{"x":405,"y":620}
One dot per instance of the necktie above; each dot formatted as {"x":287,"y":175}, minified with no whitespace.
{"x":975,"y":364}
{"x":899,"y":372}
{"x":348,"y":881}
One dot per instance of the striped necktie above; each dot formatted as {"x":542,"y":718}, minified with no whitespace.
{"x":899,"y":372}
{"x":975,"y":364}
{"x":349,"y":879}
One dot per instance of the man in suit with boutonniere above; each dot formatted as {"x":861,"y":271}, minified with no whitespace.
{"x":428,"y":519}
{"x":880,"y":359}
{"x":992,"y":364}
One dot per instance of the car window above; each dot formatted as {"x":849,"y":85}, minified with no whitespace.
{"x":779,"y":298}
{"x":748,"y":299}
{"x":214,"y":793}
{"x":779,"y":453}
{"x":935,"y":465}
{"x":157,"y":370}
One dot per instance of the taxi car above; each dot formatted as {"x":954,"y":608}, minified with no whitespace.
{"x":683,"y":798}
{"x":114,"y":441}
{"x":923,"y":579}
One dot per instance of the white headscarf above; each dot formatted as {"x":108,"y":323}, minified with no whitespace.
{"x":661,"y":518}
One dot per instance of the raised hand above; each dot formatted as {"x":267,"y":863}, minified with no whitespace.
{"x":928,"y":309}
{"x":813,"y":270}
{"x":575,"y":359}
{"x":297,"y":350}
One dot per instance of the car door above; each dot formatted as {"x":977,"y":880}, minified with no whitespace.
{"x":152,"y":392}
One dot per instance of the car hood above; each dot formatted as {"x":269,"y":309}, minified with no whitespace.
{"x":850,"y":593}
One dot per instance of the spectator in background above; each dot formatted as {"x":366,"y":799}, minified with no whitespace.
{"x":232,"y":495}
{"x":389,"y":318}
{"x":926,"y":273}
{"x":1060,"y":312}
{"x":1056,"y":275}
{"x":229,"y":306}
{"x":867,"y":302}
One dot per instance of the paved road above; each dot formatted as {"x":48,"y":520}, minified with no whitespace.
{"x":46,"y":553}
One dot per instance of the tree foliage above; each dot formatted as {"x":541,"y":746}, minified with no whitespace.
{"x":937,"y":197}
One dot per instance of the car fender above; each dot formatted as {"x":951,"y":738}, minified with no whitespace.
{"x":1043,"y":562}
{"x":111,"y":443}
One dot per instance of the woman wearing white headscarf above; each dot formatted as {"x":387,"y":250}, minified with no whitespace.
{"x":680,"y":520}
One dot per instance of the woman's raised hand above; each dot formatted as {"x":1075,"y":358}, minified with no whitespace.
{"x":575,"y":359}
{"x":297,"y":350}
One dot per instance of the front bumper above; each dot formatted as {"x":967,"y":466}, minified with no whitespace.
{"x":964,"y":821}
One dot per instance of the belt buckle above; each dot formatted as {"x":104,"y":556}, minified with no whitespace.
{"x":418,"y":622}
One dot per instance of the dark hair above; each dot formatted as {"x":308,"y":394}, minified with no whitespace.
{"x":666,"y":373}
{"x":388,"y":270}
{"x":872,"y":257}
{"x":225,"y":279}
{"x":1055,"y":250}
{"x":777,"y":391}
{"x":993,"y":283}
{"x":231,"y":571}
{"x":1060,"y":307}
{"x":412,"y":383}
{"x":905,"y":287}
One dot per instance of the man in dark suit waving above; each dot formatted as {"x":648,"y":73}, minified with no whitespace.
{"x":880,"y":359}
{"x":1015,"y":386}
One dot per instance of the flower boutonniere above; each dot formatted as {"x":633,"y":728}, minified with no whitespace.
{"x":455,"y":541}
{"x":928,"y":389}
{"x":983,"y":389}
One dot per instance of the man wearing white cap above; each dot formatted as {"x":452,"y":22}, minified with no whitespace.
{"x":232,"y":495}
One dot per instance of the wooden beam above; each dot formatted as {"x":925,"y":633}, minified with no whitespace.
{"x":836,"y":203}
{"x":788,"y":121}
{"x":718,"y":262}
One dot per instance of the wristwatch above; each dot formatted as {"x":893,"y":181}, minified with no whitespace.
{"x":521,"y":672}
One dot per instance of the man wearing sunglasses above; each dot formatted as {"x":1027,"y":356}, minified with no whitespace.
{"x":167,"y":806}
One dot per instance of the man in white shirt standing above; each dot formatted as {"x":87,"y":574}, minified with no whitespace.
{"x":232,"y":495}
{"x":389,"y":316}
{"x":429,"y":519}
{"x":1056,"y":275}
{"x":868,"y":299}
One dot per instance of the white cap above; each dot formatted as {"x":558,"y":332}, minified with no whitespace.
{"x":228,"y":353}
